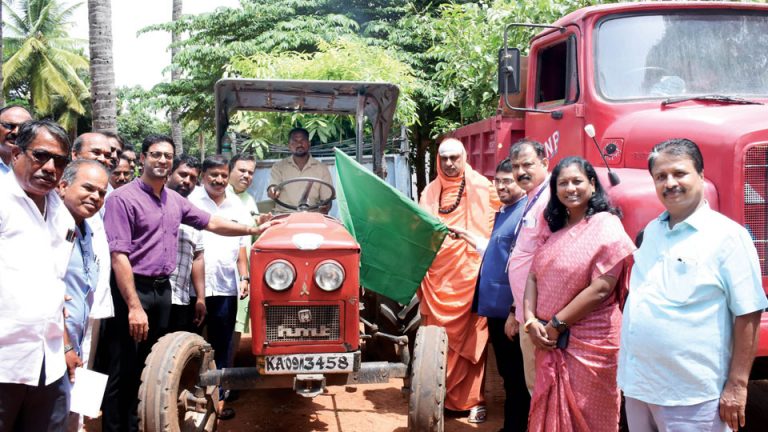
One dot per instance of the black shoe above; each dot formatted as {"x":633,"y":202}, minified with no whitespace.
{"x":226,"y":414}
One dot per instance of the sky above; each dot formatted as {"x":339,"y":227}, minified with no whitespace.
{"x":140,"y":60}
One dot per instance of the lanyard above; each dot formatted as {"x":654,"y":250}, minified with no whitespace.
{"x":519,"y":225}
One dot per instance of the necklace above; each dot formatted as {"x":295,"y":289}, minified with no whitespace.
{"x":458,"y":199}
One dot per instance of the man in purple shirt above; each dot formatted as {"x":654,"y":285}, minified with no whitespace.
{"x":142,"y":220}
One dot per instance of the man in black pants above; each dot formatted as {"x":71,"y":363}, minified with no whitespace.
{"x":142,"y":220}
{"x":493,"y":296}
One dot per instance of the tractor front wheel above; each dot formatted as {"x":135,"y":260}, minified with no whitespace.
{"x":170,"y":398}
{"x":428,"y":369}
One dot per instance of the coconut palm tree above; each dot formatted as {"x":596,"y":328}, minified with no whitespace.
{"x":175,"y":75}
{"x":103,"y":94}
{"x":46,"y":63}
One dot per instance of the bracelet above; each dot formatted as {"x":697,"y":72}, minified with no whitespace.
{"x":528,"y":323}
{"x":68,"y":348}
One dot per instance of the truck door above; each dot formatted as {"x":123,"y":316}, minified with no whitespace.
{"x":555,"y":80}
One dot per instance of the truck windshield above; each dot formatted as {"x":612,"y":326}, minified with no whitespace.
{"x":682,"y":54}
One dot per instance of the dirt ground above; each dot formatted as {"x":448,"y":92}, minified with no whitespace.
{"x":364,"y":408}
{"x":380,"y":408}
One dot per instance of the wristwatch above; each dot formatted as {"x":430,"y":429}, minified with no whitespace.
{"x":512,"y":309}
{"x":68,"y":348}
{"x":245,"y":278}
{"x":560,"y":326}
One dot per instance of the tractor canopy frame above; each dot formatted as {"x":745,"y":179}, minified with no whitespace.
{"x":376,"y":101}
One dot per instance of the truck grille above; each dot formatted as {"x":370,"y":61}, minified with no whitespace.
{"x":755,"y":195}
{"x":302,"y":323}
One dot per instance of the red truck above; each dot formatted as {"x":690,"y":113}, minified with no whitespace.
{"x":641,"y":73}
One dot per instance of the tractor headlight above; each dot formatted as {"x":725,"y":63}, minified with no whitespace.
{"x":280,"y":275}
{"x":329,"y":275}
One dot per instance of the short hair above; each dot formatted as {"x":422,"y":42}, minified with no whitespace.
{"x":110,"y":134}
{"x":518,"y":147}
{"x":556,"y":214}
{"x":504,"y":166}
{"x":185,"y":159}
{"x":152,"y":139}
{"x":214,"y":161}
{"x":240,"y":157}
{"x":70,"y":172}
{"x":28,"y":132}
{"x":678,"y":147}
{"x":127,"y":146}
{"x":300,"y":130}
{"x":77,"y":145}
{"x":11,"y":106}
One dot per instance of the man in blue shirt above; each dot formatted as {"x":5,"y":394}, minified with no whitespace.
{"x":82,"y":189}
{"x":493,"y":296}
{"x":689,"y":331}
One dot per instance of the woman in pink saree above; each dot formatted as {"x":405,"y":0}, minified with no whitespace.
{"x":571,"y":306}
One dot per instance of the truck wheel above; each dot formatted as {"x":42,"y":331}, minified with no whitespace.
{"x":169,"y":398}
{"x":428,"y":369}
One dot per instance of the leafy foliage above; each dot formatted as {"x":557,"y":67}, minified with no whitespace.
{"x":45,"y":66}
{"x":347,"y":59}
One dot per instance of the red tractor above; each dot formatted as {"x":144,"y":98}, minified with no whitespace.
{"x":305,"y":299}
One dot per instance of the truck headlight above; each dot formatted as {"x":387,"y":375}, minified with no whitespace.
{"x":329,"y":275}
{"x":280,"y":275}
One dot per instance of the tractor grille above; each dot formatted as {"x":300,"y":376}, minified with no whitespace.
{"x":755,"y":195}
{"x":302,"y":323}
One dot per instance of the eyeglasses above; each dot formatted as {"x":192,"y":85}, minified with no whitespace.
{"x":159,"y":154}
{"x":503,"y":181}
{"x":9,"y":125}
{"x":41,"y":157}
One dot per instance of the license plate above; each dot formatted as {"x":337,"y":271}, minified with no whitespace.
{"x":303,"y":363}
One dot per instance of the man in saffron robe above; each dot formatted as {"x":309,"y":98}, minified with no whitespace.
{"x":460,"y":197}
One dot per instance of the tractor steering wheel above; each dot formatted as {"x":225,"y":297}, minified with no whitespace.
{"x":303,"y":204}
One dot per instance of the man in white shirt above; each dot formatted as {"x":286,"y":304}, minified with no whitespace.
{"x":36,"y":234}
{"x":241,"y":170}
{"x":11,"y":117}
{"x":226,"y":262}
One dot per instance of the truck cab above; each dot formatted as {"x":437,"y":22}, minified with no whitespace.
{"x":642,"y":73}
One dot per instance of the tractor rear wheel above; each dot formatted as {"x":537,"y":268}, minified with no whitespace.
{"x":428,"y":369}
{"x":169,"y":397}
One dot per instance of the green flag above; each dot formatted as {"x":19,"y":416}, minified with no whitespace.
{"x":398,"y":240}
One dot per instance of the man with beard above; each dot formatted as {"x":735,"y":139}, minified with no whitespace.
{"x":300,"y":164}
{"x":82,"y":190}
{"x":529,"y":166}
{"x":462,"y":198}
{"x":11,"y":117}
{"x":226,"y":262}
{"x":121,"y":174}
{"x":142,"y":221}
{"x":188,"y":279}
{"x":36,"y":234}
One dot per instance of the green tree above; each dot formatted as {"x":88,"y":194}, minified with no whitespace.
{"x":46,"y":64}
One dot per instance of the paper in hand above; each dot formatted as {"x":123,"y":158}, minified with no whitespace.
{"x":87,"y":392}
